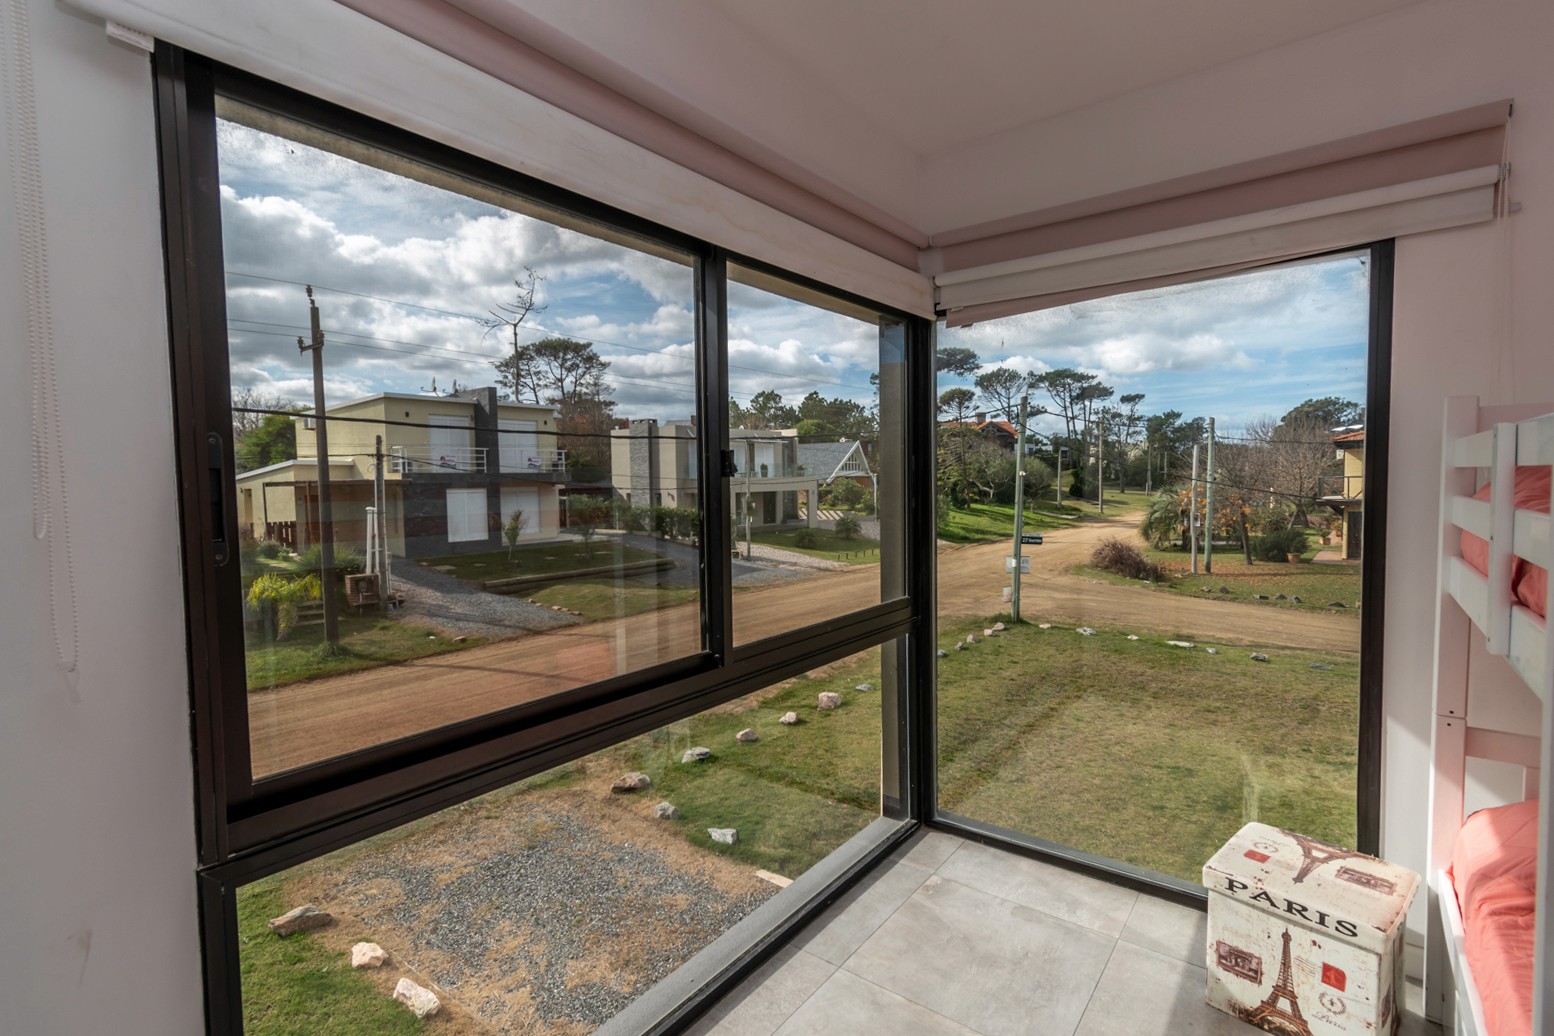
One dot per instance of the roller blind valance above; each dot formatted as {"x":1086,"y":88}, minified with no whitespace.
{"x":1427,"y":175}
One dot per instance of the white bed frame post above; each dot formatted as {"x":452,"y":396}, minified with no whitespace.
{"x":1536,"y":446}
{"x":1448,"y":741}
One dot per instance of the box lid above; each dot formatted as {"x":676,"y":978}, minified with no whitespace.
{"x":1351,"y":896}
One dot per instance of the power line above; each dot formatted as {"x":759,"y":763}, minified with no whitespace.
{"x":531,"y":327}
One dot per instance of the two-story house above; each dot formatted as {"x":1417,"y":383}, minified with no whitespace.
{"x":772,"y":486}
{"x":654,"y":465}
{"x":454,"y":470}
{"x":1345,"y":493}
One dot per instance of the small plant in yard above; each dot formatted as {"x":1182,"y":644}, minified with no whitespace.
{"x":1277,"y":545}
{"x":516,"y":523}
{"x":847,"y":527}
{"x":348,"y":560}
{"x":1124,"y":559}
{"x":809,"y":539}
{"x":269,"y":550}
{"x":277,"y":597}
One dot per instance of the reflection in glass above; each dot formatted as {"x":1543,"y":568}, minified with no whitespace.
{"x":1188,"y":652}
{"x":815,"y":404}
{"x":549,"y":906}
{"x":497,"y":499}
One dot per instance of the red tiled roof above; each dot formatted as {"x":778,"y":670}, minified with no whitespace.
{"x":1004,"y":426}
{"x":1350,"y":437}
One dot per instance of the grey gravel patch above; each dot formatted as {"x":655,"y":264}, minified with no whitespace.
{"x":570,"y":885}
{"x":459,"y":608}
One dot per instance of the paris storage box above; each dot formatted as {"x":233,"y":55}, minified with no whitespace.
{"x":1305,"y":938}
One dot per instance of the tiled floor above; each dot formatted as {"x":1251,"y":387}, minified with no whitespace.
{"x":952,"y":938}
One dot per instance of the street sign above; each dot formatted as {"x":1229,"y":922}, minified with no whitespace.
{"x":1031,"y":537}
{"x":1025,"y":564}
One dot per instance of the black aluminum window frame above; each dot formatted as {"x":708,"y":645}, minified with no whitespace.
{"x":248,"y":829}
{"x":1373,"y":579}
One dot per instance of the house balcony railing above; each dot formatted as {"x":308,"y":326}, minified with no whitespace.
{"x":773,"y":471}
{"x":428,"y":460}
{"x":1341,"y":487}
{"x":542,"y":462}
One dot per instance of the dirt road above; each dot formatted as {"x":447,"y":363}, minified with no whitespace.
{"x":305,"y":722}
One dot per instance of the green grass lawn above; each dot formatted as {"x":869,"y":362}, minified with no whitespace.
{"x":1133,"y":500}
{"x":366,"y":642}
{"x":296,"y":987}
{"x":1143,"y":752}
{"x":598,"y":599}
{"x":1317,"y":586}
{"x":859,"y":550}
{"x":983,"y":523}
{"x":540,"y":559}
{"x":796,"y":794}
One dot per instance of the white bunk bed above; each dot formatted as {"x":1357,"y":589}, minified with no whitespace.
{"x":1479,"y":443}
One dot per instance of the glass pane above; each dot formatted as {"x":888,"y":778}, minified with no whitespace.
{"x":815,"y":396}
{"x":551,"y":905}
{"x":1169,"y":678}
{"x":479,"y":538}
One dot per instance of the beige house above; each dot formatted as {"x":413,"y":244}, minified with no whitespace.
{"x":455,"y":468}
{"x":1345,"y":493}
{"x":654,"y":465}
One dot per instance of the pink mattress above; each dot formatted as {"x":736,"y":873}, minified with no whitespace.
{"x":1494,"y":869}
{"x":1529,"y":582}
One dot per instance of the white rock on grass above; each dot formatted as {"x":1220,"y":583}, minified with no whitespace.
{"x":696,"y":755}
{"x":1085,"y":631}
{"x":666,"y":811}
{"x":304,"y":918}
{"x":999,"y":627}
{"x":829,"y":700}
{"x":972,"y":638}
{"x":1258,"y":656}
{"x":368,"y":955}
{"x":1181,"y":643}
{"x":941,"y":653}
{"x":959,"y":646}
{"x":747,"y":736}
{"x":1212,"y":651}
{"x":633,"y":781}
{"x":1133,"y":636}
{"x":723,"y":835}
{"x":423,"y":1003}
{"x":789,"y":719}
{"x":1044,"y":625}
{"x":988,"y":632}
{"x":864,"y":687}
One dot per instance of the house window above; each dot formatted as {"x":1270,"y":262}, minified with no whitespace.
{"x":394,"y":646}
{"x":468,"y":518}
{"x":1196,"y":649}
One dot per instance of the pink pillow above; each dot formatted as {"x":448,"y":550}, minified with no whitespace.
{"x":1529,"y":582}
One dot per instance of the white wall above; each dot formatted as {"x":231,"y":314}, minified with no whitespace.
{"x":97,"y":901}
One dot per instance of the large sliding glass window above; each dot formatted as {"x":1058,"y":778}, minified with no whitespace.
{"x":490,"y":490}
{"x":439,"y":454}
{"x":1180,"y":651}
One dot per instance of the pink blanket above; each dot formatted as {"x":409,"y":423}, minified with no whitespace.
{"x":1494,"y":870}
{"x":1529,"y":582}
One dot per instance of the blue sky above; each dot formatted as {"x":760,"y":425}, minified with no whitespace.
{"x":404,"y":271}
{"x":1236,"y":348}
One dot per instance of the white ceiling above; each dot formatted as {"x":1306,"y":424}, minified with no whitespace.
{"x":869,"y":95}
{"x":934,"y":74}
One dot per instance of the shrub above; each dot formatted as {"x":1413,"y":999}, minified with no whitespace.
{"x":269,"y":549}
{"x":277,"y":596}
{"x":348,"y":560}
{"x":1124,"y":559}
{"x":1162,"y":522}
{"x":809,"y":539}
{"x":845,"y":494}
{"x":847,"y":527}
{"x":1277,"y":544}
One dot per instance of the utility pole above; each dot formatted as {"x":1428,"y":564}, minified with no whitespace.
{"x":326,"y":543}
{"x":1058,"y":487}
{"x":380,"y":497}
{"x":1208,"y":543}
{"x":1192,"y":508}
{"x":1019,"y":510}
{"x":1100,"y":462}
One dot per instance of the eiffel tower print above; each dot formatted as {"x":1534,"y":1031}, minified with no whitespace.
{"x":1268,"y":1015}
{"x":1314,"y":854}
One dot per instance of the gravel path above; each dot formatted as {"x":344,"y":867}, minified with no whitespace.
{"x":561,"y":919}
{"x":454,"y":606}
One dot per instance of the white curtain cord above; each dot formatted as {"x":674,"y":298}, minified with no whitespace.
{"x":50,"y":510}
